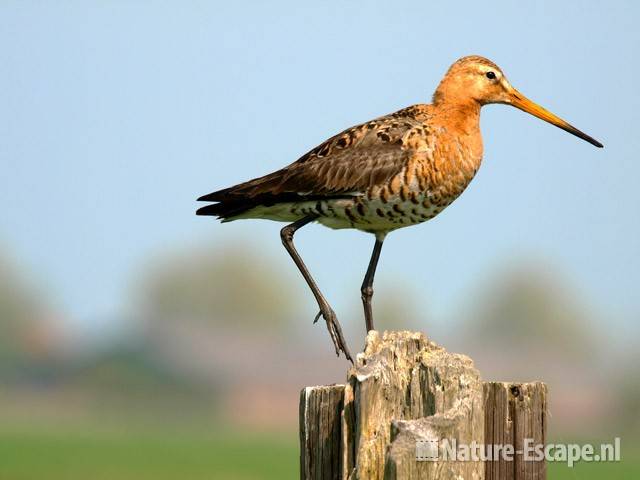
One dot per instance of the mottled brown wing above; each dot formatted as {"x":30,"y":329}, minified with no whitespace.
{"x":349,"y":171}
{"x":347,"y":164}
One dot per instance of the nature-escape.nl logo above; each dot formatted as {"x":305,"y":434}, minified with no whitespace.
{"x":571,"y":453}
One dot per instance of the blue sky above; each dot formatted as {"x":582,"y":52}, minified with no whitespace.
{"x":115,"y":116}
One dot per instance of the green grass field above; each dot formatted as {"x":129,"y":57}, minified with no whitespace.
{"x":625,"y":469}
{"x":31,"y":453}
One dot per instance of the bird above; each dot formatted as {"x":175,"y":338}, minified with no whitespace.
{"x":395,"y":171}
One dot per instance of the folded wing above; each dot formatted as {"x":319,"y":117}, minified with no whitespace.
{"x":347,"y":164}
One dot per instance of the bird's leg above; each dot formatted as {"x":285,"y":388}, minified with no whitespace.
{"x":325,"y":310}
{"x":367,"y":284}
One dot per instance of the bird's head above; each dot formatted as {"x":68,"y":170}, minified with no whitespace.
{"x":475,"y":79}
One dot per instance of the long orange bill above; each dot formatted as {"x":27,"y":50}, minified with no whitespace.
{"x":523,"y":103}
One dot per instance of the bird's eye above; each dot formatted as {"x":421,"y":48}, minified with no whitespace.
{"x":490,"y":75}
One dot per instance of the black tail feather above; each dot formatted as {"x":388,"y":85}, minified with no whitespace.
{"x":218,"y":196}
{"x":226,"y":209}
{"x":229,"y":205}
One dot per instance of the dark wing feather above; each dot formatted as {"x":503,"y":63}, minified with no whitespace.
{"x":345,"y":165}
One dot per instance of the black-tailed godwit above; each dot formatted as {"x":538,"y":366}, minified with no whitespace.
{"x":391,"y":172}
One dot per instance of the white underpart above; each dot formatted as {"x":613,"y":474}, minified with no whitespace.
{"x":334,"y":213}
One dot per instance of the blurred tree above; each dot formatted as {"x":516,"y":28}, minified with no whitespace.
{"x":26,"y":338}
{"x":228,"y":286}
{"x":528,"y":305}
{"x":129,"y":375}
{"x":627,"y":411}
{"x":623,"y":376}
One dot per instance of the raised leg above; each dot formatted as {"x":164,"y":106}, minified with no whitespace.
{"x":325,"y":310}
{"x":367,"y":283}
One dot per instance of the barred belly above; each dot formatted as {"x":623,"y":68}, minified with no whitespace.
{"x":371,"y":215}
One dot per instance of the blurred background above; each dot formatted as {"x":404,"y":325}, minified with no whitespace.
{"x":139,"y":341}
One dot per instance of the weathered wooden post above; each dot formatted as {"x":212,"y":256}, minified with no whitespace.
{"x":515,"y":412}
{"x":402,"y":399}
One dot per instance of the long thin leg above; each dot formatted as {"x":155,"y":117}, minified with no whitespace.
{"x":367,"y":283}
{"x":325,"y":310}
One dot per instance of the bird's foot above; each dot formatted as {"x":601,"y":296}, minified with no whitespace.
{"x":335,"y":331}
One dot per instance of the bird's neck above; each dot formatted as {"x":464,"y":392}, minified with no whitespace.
{"x":459,"y":124}
{"x":461,"y":115}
